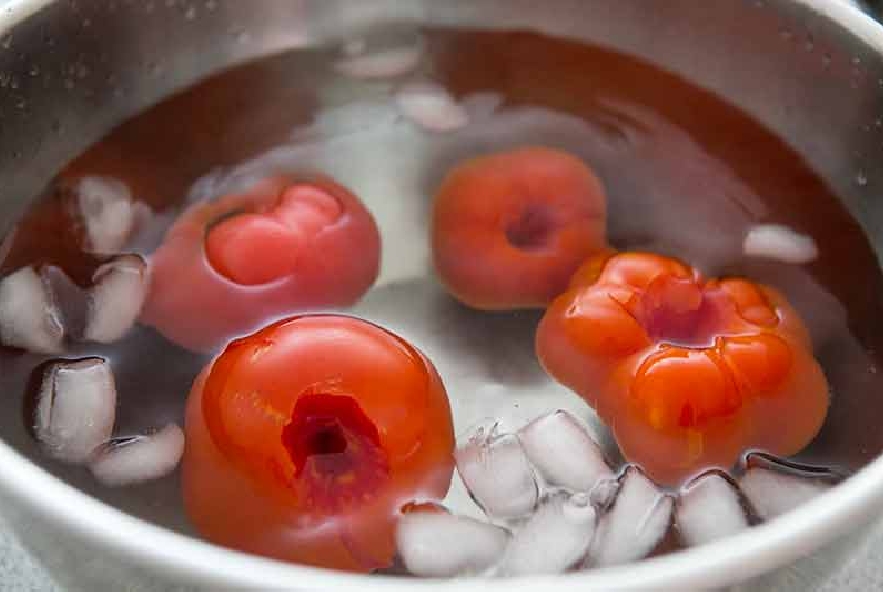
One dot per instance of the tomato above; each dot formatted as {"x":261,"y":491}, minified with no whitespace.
{"x":688,"y":372}
{"x":283,"y":246}
{"x":307,"y":439}
{"x":509,"y":229}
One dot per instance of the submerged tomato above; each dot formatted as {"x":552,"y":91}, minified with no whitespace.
{"x":687,"y":372}
{"x":509,"y":229}
{"x":283,"y":246}
{"x":306,"y":439}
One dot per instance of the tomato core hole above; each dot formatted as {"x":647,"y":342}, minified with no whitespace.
{"x":328,"y":440}
{"x":675,"y":310}
{"x":531,"y":230}
{"x":335,"y":449}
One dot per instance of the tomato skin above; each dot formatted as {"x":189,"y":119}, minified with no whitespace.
{"x":218,"y":275}
{"x":688,"y":373}
{"x":338,"y":512}
{"x":509,"y":229}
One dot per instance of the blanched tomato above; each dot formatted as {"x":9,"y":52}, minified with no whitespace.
{"x":306,"y":440}
{"x":687,"y":372}
{"x":283,"y":246}
{"x":509,"y":229}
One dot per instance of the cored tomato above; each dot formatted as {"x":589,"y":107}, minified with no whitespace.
{"x":509,"y":229}
{"x":687,"y":372}
{"x":307,"y":439}
{"x":283,"y":246}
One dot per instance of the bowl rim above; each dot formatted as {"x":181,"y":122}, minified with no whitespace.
{"x":845,"y":508}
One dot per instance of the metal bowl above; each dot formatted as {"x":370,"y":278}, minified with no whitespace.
{"x":809,"y":70}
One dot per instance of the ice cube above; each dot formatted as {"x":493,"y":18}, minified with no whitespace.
{"x":431,"y":107}
{"x":555,"y":538}
{"x":772,"y":493}
{"x":438,"y":544}
{"x":116,"y":298}
{"x":28,"y":316}
{"x":76,"y":408}
{"x":109,"y":213}
{"x":774,"y":241}
{"x":708,"y":509}
{"x":140,"y":459}
{"x":563,"y":452}
{"x":636,"y":523}
{"x":387,"y":62}
{"x":498,"y":474}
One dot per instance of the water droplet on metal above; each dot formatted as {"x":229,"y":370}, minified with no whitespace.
{"x":861,"y":179}
{"x":35,"y":70}
{"x":210,"y":5}
{"x":6,"y":42}
{"x":190,"y":13}
{"x":87,"y":22}
{"x":826,"y":60}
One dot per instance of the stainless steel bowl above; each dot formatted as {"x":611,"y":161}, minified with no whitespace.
{"x":810,"y":70}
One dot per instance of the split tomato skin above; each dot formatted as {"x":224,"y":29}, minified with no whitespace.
{"x":689,"y":373}
{"x":510,"y":228}
{"x":285,"y":245}
{"x":306,"y":440}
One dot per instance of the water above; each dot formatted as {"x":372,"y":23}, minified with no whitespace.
{"x":686,"y":175}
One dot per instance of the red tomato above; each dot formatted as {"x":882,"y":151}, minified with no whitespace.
{"x":306,"y":440}
{"x":284,"y":245}
{"x":509,"y":229}
{"x":688,"y":373}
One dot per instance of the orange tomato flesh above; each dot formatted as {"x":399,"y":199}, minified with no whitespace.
{"x":258,"y":248}
{"x":306,"y":440}
{"x":688,"y":373}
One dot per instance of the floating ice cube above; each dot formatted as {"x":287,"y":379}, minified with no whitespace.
{"x":28,"y":316}
{"x":116,"y":298}
{"x":109,"y":212}
{"x":76,"y":408}
{"x":563,"y":452}
{"x":431,"y":107}
{"x":498,"y":474}
{"x":360,"y":62}
{"x":440,"y":544}
{"x":708,"y":509}
{"x":774,"y":241}
{"x":772,"y":493}
{"x":555,"y":538}
{"x":140,"y":459}
{"x":638,"y":520}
